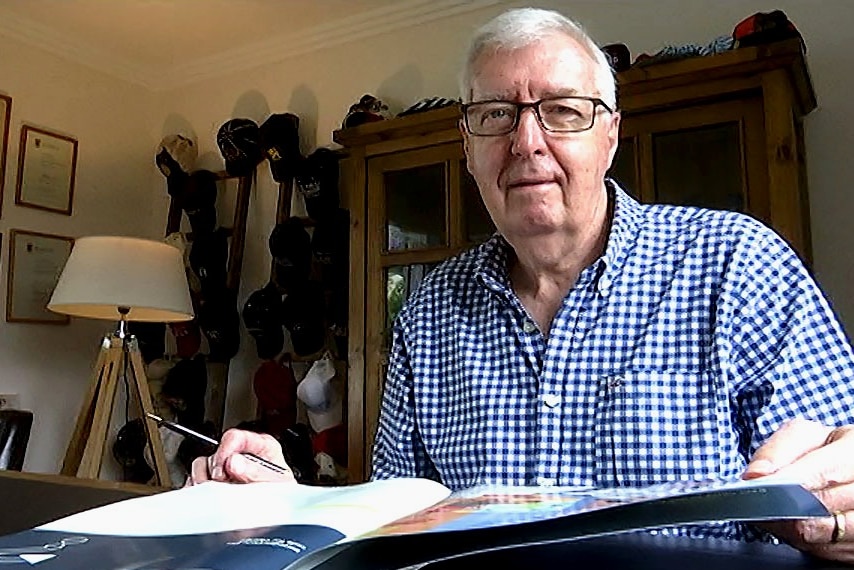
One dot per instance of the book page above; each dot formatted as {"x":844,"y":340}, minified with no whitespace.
{"x":492,"y":506}
{"x":217,"y":507}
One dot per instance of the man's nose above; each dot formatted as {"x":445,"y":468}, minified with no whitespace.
{"x":529,"y":137}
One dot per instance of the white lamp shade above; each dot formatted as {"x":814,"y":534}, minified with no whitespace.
{"x":104,"y":273}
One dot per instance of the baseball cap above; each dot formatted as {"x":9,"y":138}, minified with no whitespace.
{"x":262,"y":315}
{"x":239,"y":144}
{"x":290,"y":246}
{"x":198,"y":200}
{"x":150,"y":337}
{"x":275,"y":388}
{"x":176,"y":151}
{"x":318,"y":393}
{"x":209,"y":259}
{"x":317,"y":182}
{"x":302,"y":315}
{"x":368,"y":109}
{"x":330,"y":244}
{"x":188,"y":338}
{"x":184,"y":390}
{"x":220,"y":322}
{"x":279,"y":138}
{"x":263,"y":308}
{"x":128,"y":450}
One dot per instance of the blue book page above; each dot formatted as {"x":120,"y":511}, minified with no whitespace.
{"x":249,"y":549}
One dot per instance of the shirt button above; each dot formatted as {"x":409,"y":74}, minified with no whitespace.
{"x":529,"y":326}
{"x":545,"y":481}
{"x":551,"y":400}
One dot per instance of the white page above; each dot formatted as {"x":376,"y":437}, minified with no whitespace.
{"x":218,"y":507}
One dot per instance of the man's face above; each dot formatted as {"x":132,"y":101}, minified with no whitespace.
{"x":535,"y":182}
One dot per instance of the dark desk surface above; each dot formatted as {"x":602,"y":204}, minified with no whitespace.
{"x":642,"y":551}
{"x":31,"y":499}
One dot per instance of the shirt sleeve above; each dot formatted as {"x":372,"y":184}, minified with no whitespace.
{"x":791,"y":357}
{"x":398,"y":448}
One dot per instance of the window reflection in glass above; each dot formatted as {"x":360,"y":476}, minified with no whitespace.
{"x":700,"y":167}
{"x":415,"y":207}
{"x":401,"y":282}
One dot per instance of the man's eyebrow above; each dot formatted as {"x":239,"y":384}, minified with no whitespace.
{"x":562,"y":92}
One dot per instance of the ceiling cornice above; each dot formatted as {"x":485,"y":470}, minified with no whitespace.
{"x":400,"y":15}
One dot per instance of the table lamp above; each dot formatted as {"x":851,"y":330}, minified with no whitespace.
{"x":121,"y":279}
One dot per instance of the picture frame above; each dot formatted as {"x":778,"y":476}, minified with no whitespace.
{"x":47,"y":165}
{"x":35,"y":263}
{"x":5,"y":120}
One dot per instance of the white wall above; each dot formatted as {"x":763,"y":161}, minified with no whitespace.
{"x":121,"y":124}
{"x":49,"y":366}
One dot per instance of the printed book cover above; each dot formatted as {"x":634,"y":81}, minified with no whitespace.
{"x":388,"y":524}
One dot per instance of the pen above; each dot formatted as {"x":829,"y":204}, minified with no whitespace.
{"x":185,"y":431}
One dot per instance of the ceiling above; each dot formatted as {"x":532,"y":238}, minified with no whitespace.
{"x":166,"y":43}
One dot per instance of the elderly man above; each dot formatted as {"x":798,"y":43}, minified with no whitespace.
{"x":597,"y":341}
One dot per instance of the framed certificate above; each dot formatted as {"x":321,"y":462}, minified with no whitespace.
{"x":5,"y":118}
{"x":46,"y":167}
{"x":35,"y":262}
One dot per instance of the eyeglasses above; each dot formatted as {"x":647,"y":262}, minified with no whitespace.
{"x":556,"y":114}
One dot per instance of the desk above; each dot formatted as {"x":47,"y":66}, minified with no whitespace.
{"x":642,"y":551}
{"x":31,"y":499}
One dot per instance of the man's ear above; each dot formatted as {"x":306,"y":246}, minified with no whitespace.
{"x":465,"y":137}
{"x":613,"y":136}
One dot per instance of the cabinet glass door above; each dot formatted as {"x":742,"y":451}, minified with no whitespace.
{"x":415,"y":207}
{"x":711,"y":156}
{"x":421,"y":209}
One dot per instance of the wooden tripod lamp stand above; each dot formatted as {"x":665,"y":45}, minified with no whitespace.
{"x":119,"y":279}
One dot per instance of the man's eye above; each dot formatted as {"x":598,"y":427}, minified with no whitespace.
{"x":495,"y":114}
{"x":567,"y":111}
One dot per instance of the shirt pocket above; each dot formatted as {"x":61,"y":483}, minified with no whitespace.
{"x":653,"y":426}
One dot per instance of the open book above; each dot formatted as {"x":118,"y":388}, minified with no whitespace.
{"x":383,"y":524}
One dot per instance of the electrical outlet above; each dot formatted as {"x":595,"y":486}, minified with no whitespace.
{"x":10,"y":401}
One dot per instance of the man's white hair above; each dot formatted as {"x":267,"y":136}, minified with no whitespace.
{"x":521,"y":27}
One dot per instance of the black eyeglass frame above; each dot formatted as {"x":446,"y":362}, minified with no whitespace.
{"x":535,"y":105}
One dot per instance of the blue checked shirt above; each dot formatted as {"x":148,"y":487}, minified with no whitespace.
{"x":674,"y":356}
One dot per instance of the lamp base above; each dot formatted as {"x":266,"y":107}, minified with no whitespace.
{"x":85,"y":451}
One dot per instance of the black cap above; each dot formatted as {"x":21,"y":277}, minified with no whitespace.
{"x":151,"y":339}
{"x":330,"y":244}
{"x":269,"y":341}
{"x":303,"y":315}
{"x":290,"y":246}
{"x":184,"y":390}
{"x":209,"y":260}
{"x":263,"y":308}
{"x":239,"y":144}
{"x":317,"y":181}
{"x":220,"y":323}
{"x":279,"y":136}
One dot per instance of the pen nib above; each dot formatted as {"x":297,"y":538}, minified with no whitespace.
{"x":157,"y":419}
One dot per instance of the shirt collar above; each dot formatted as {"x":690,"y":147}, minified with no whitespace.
{"x":626,"y":215}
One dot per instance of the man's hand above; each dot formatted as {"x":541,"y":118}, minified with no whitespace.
{"x":228,"y":463}
{"x":820,"y":458}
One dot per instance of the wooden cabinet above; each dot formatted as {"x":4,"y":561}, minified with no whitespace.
{"x":724,"y":132}
{"x":721,"y":131}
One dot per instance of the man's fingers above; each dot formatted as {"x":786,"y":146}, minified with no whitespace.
{"x":831,"y":466}
{"x":241,"y":469}
{"x":792,"y":441}
{"x":198,"y":472}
